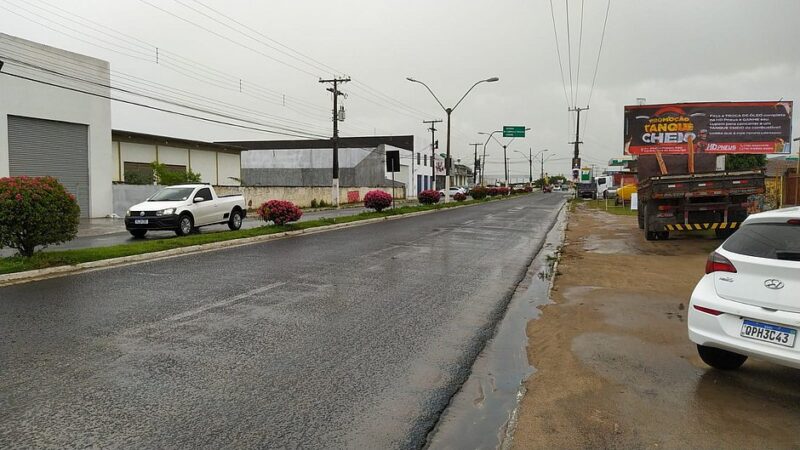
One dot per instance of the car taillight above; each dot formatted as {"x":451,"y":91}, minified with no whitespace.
{"x":713,"y":312}
{"x":793,"y":222}
{"x":719,"y":263}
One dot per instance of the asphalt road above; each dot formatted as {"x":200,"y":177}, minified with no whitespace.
{"x":355,"y":338}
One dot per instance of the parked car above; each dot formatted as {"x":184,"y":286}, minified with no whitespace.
{"x":185,"y":208}
{"x":747,"y":303}
{"x":454,"y":190}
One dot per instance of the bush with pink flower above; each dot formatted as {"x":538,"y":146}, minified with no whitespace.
{"x":459,"y":196}
{"x":377,"y":200}
{"x":36,"y":212}
{"x":279,"y":212}
{"x":429,"y":197}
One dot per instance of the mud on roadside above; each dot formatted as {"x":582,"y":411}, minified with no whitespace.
{"x":614,"y":366}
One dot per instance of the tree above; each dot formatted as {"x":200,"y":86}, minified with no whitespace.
{"x":745,"y":162}
{"x":36,"y":212}
{"x":169,"y":177}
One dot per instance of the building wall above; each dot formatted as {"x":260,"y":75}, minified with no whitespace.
{"x":30,"y":99}
{"x":215,"y":167}
{"x":313,"y":168}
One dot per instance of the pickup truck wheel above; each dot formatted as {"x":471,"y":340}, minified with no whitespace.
{"x":138,"y":234}
{"x":235,"y":221}
{"x":185,"y":225}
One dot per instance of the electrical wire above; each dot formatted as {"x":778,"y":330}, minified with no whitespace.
{"x":558,"y":53}
{"x":578,"y":71}
{"x":599,"y":52}
{"x":283,"y":131}
{"x":569,"y":58}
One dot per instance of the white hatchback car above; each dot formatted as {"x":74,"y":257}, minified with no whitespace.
{"x":748,"y":303}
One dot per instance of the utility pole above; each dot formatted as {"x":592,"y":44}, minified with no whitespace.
{"x":530,"y":166}
{"x":432,"y":129}
{"x":505,"y":160}
{"x":542,"y":159}
{"x":477,"y":164}
{"x":576,"y":160}
{"x":335,"y":140}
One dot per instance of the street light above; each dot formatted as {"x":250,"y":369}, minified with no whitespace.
{"x":449,"y":111}
{"x":505,"y":147}
{"x":530,"y":159}
{"x":483,"y":160}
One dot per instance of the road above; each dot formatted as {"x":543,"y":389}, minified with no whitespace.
{"x":355,"y":338}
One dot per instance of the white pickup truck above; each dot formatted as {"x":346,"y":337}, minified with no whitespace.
{"x":184,"y":208}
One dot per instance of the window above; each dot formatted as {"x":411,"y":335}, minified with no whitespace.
{"x":137,"y":173}
{"x":205,"y":193}
{"x":426,"y":160}
{"x":766,"y":240}
{"x":419,"y":158}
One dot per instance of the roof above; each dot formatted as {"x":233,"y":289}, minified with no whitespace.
{"x":402,"y":142}
{"x":143,"y":138}
{"x":776,"y":215}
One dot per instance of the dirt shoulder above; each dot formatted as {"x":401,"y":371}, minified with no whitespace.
{"x":614,"y":366}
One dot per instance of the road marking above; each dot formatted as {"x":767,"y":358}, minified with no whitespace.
{"x":221,"y":303}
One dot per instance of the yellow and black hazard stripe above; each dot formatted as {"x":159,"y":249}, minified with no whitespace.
{"x":702,"y":226}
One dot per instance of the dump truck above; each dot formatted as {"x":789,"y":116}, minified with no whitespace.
{"x":670,"y":199}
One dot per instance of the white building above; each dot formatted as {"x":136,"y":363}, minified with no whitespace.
{"x":57,"y":131}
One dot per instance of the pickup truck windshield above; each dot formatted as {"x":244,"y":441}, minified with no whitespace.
{"x":171,"y":195}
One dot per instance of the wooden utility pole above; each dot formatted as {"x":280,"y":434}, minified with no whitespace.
{"x":335,"y":140}
{"x":476,"y":164}
{"x":576,"y":160}
{"x":432,"y":129}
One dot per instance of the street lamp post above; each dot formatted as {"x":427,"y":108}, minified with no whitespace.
{"x":449,"y":112}
{"x":505,"y":148}
{"x":530,"y":159}
{"x":483,"y":160}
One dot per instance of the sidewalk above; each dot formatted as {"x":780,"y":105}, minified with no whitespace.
{"x":107,"y":232}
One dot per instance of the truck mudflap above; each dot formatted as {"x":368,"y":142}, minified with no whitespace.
{"x":702,"y":226}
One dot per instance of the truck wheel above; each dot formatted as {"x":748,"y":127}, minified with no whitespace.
{"x":605,"y":195}
{"x":648,"y":235}
{"x":720,"y":359}
{"x":662,"y":235}
{"x":235,"y":221}
{"x":640,"y":219}
{"x":185,"y":225}
{"x":138,"y":234}
{"x":594,"y":196}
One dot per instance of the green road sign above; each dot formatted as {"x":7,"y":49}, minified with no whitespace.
{"x":512,"y":132}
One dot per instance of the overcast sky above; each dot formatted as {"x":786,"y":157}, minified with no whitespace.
{"x":663,"y":51}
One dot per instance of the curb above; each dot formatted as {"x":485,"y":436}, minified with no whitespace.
{"x":59,"y":271}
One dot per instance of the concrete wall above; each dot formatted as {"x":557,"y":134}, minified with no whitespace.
{"x":217,"y":168}
{"x":254,"y":196}
{"x":30,"y":99}
{"x":357,"y":167}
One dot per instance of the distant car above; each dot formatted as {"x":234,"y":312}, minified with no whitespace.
{"x":184,"y":208}
{"x":454,"y":190}
{"x":548,"y":188}
{"x":747,"y":303}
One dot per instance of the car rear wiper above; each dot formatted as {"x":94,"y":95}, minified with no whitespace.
{"x":788,"y":256}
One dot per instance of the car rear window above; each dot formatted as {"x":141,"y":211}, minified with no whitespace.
{"x":766,"y":240}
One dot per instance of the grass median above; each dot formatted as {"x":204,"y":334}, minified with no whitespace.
{"x":42,"y":260}
{"x":610,"y":207}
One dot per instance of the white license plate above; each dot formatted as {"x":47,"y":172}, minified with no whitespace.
{"x":768,"y":332}
{"x":141,"y":221}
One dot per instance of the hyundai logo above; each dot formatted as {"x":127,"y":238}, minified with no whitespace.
{"x":773,"y":284}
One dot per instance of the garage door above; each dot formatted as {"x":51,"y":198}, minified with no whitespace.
{"x":39,"y":147}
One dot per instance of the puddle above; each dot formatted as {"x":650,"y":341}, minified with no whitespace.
{"x":483,"y":412}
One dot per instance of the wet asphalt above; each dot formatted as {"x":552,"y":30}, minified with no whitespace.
{"x":355,"y":338}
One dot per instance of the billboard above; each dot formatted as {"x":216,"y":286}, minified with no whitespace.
{"x":721,"y":127}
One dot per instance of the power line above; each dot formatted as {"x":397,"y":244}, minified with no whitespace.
{"x":578,"y":72}
{"x":599,"y":51}
{"x":569,"y":57}
{"x":286,"y":132}
{"x":558,"y":52}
